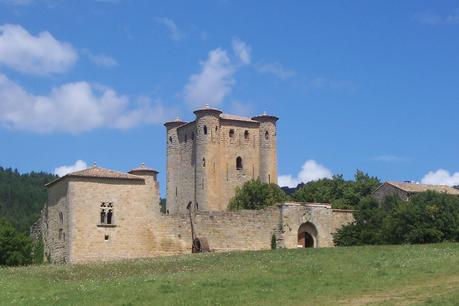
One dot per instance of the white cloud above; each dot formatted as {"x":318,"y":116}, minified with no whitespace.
{"x":216,"y":78}
{"x":242,"y":51}
{"x":17,"y":2}
{"x":172,"y":28}
{"x":77,"y":166}
{"x":389,"y":158}
{"x":73,"y":108}
{"x":102,"y":60}
{"x":311,"y":171}
{"x":41,"y":54}
{"x":441,"y":177}
{"x":276,"y":69}
{"x":437,"y":19}
{"x":213,"y":83}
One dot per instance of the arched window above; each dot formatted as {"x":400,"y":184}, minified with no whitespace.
{"x":109,"y":216}
{"x":203,"y":162}
{"x":205,"y":129}
{"x":61,"y":217}
{"x":246,"y":134}
{"x":231,"y":133}
{"x":266,"y":135}
{"x":239,"y":163}
{"x":102,"y":216}
{"x":170,"y":139}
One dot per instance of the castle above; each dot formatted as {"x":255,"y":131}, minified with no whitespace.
{"x":212,"y":155}
{"x":99,"y":214}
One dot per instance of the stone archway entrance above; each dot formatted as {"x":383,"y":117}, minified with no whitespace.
{"x":307,"y":235}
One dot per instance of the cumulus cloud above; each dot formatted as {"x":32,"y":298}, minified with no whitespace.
{"x":275,"y":69}
{"x":77,"y":166}
{"x":441,"y":177}
{"x":242,"y":51}
{"x":73,"y":108}
{"x":171,"y":26}
{"x":213,"y":83}
{"x":311,"y":171}
{"x":41,"y":54}
{"x":216,"y":78}
{"x":102,"y":60}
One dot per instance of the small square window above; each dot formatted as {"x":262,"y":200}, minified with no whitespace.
{"x":106,"y":237}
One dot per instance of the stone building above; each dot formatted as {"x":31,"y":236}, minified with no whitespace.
{"x":99,"y":214}
{"x":407,"y":189}
{"x":209,"y":157}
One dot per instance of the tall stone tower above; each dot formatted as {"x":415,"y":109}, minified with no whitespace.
{"x":209,"y":157}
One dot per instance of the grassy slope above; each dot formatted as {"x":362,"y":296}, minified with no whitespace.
{"x":381,"y":275}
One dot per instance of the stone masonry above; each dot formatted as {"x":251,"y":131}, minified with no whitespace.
{"x":99,"y":214}
{"x":212,"y":155}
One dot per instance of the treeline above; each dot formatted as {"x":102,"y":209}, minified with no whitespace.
{"x":22,"y":196}
{"x":427,"y":217}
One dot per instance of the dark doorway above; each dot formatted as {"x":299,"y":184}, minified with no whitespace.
{"x":307,"y":235}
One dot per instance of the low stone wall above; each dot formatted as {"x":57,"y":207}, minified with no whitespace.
{"x":224,"y":230}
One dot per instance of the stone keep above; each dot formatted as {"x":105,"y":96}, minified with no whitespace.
{"x":212,"y":155}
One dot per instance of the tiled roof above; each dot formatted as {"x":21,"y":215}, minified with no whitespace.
{"x":237,"y":118}
{"x":142,"y":168}
{"x":98,"y":172}
{"x":413,"y":187}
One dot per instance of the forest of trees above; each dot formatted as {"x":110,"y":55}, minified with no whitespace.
{"x":22,"y":196}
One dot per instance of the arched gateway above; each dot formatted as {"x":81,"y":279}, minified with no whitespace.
{"x":307,"y":235}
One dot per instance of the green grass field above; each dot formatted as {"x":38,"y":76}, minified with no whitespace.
{"x":381,"y":275}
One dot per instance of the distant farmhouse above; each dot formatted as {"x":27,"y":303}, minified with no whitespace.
{"x":99,"y":214}
{"x":407,"y":189}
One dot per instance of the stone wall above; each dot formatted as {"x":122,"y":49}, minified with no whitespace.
{"x":56,"y":223}
{"x":387,"y":190}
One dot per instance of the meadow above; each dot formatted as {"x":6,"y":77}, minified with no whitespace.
{"x":369,"y":275}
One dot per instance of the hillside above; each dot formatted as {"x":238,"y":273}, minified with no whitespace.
{"x":420,"y":274}
{"x":22,"y":196}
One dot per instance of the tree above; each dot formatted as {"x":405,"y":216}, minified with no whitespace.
{"x":15,"y":247}
{"x":428,"y":217}
{"x":22,"y":196}
{"x":256,"y":195}
{"x":337,"y":191}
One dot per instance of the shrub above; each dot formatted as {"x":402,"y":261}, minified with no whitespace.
{"x":428,"y":217}
{"x":273,"y":242}
{"x":15,"y":247}
{"x":256,"y":195}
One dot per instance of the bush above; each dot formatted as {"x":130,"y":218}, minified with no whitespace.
{"x":256,"y":195}
{"x":428,"y":217}
{"x":15,"y":247}
{"x":273,"y":242}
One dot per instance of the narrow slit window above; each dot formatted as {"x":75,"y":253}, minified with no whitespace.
{"x":205,"y":129}
{"x":231,"y":133}
{"x":246,"y":134}
{"x":266,"y":135}
{"x":203,"y":162}
{"x":239,"y":163}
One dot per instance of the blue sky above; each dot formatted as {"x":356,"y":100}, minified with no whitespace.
{"x":369,"y":85}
